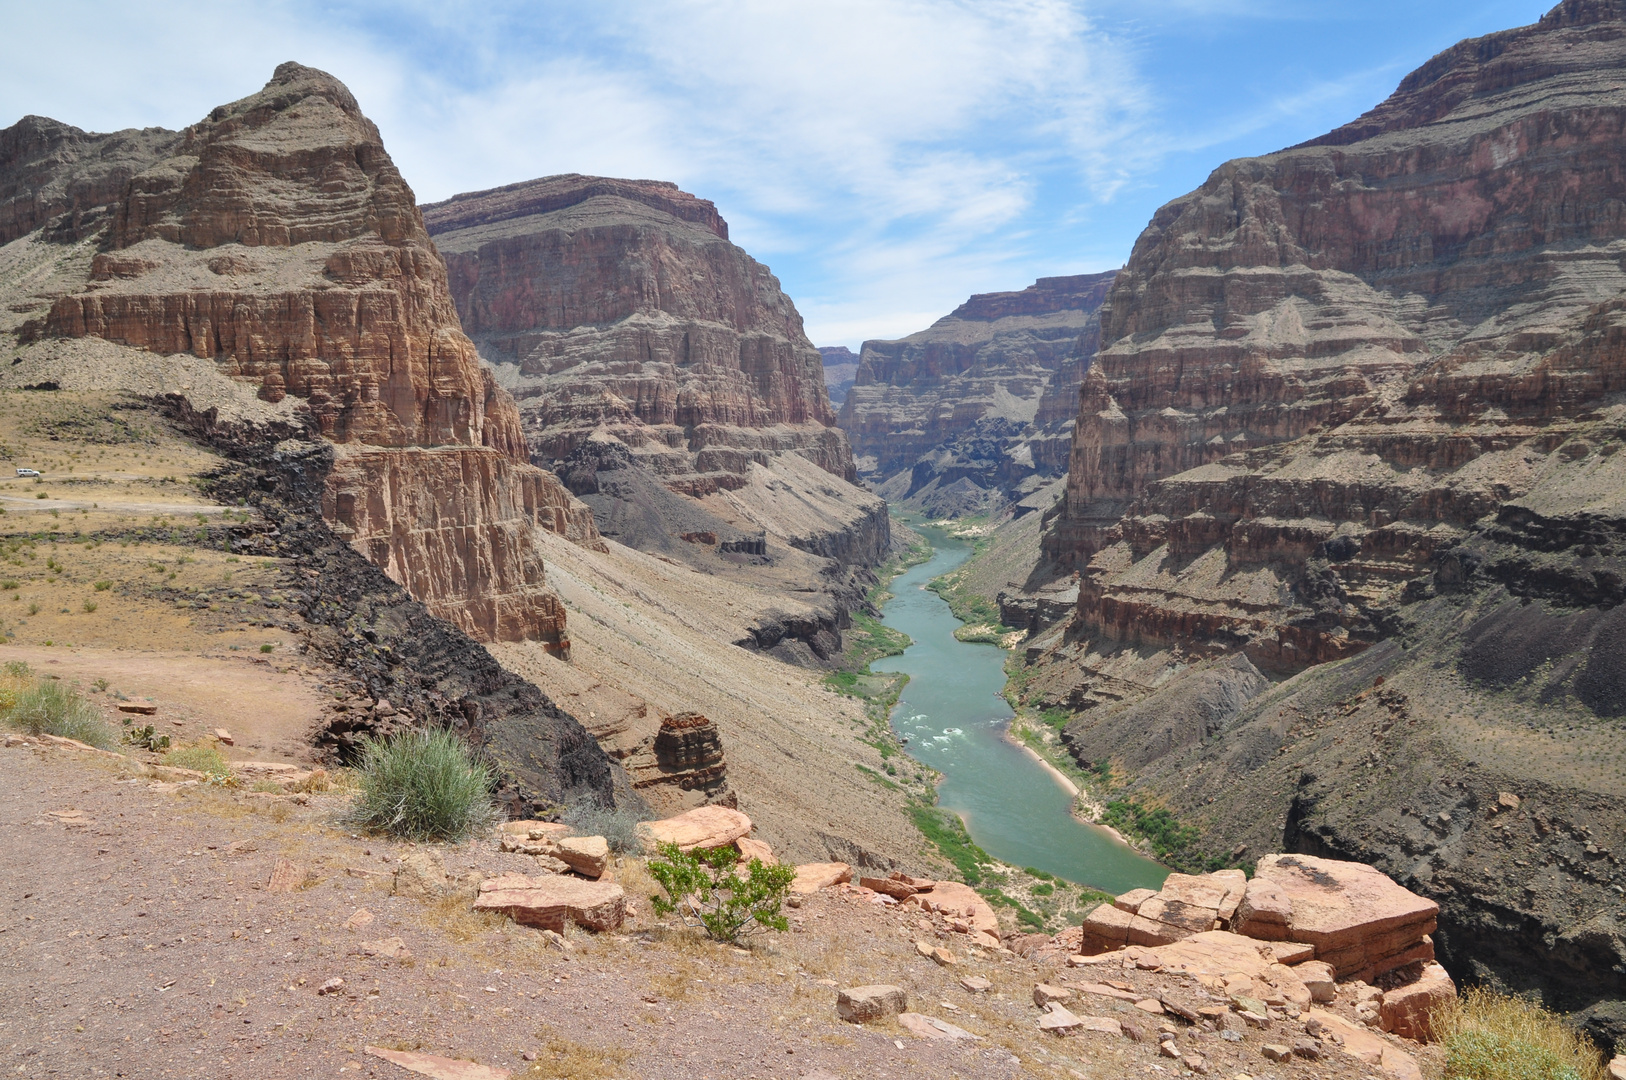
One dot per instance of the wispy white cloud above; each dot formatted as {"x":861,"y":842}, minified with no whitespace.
{"x":886,"y":157}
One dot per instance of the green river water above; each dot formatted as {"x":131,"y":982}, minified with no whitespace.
{"x":954,"y":718}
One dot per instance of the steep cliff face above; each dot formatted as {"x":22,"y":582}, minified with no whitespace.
{"x":1359,"y":402}
{"x":53,"y":174}
{"x":1352,"y":350}
{"x":665,"y":375}
{"x":277,"y":238}
{"x":971,"y":412}
{"x":840,"y":368}
{"x":621,"y":305}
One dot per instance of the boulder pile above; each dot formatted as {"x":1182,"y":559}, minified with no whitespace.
{"x":1281,"y":941}
{"x":1349,"y":915}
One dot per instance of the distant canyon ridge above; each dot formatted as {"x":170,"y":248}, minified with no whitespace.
{"x":975,"y":413}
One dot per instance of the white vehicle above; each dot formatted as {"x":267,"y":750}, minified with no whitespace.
{"x":28,"y":472}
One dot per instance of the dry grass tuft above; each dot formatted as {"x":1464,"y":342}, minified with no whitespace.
{"x":566,"y":1059}
{"x":454,"y":917}
{"x":1489,"y":1036}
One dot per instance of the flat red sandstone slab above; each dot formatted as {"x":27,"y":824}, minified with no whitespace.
{"x":552,"y":900}
{"x":811,"y":877}
{"x":1340,"y":905}
{"x":438,"y":1067}
{"x":703,"y":828}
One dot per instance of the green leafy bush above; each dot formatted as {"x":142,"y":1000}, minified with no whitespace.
{"x":1488,"y":1036}
{"x":46,"y":707}
{"x":421,"y":785}
{"x":705,"y":889}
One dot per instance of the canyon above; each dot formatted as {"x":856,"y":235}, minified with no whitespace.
{"x":664,"y":375}
{"x":262,"y":287}
{"x":1344,"y":506}
{"x":975,"y":413}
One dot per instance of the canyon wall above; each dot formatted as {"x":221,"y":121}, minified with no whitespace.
{"x":975,"y":411}
{"x":277,"y":238}
{"x":265,"y":278}
{"x":1356,"y":416}
{"x":665,"y":376}
{"x":620,"y":305}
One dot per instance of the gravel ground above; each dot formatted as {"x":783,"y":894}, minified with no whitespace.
{"x":138,"y":938}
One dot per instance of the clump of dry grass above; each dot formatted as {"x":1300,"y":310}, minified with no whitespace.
{"x":569,"y":1060}
{"x":203,"y":756}
{"x":454,"y":916}
{"x":1489,"y":1036}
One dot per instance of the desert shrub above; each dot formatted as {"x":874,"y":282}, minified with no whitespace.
{"x":421,"y":785}
{"x":204,"y":757}
{"x":144,"y":738}
{"x":46,"y":707}
{"x":618,"y":825}
{"x":1489,"y":1036}
{"x":705,"y":889}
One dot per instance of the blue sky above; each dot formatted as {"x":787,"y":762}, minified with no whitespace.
{"x":885,"y":157}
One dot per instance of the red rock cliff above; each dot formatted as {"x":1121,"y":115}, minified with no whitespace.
{"x":279,"y":239}
{"x":621,"y":305}
{"x":1326,"y":363}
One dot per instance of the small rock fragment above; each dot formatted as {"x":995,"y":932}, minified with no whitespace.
{"x":1277,"y":1052}
{"x":222,"y":735}
{"x":287,"y":877}
{"x":1318,"y":979}
{"x":1059,"y":1020}
{"x":929,"y":1027}
{"x":976,"y":984}
{"x":392,"y":948}
{"x":332,"y":986}
{"x":361,"y":918}
{"x":1150,"y":1005}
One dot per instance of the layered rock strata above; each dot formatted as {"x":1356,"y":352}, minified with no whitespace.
{"x":666,"y":377}
{"x":840,"y":369}
{"x":277,"y":238}
{"x":620,"y":305}
{"x":1357,"y":416}
{"x":982,"y":401}
{"x":56,"y":177}
{"x":1322,"y":367}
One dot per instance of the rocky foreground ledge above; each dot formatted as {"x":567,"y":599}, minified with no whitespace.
{"x":169,"y":924}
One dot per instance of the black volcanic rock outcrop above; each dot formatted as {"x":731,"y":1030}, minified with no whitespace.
{"x":968,"y":413}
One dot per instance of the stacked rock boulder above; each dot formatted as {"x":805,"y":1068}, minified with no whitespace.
{"x":1286,"y":937}
{"x":1353,"y":917}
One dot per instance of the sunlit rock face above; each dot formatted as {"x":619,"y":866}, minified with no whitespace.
{"x":277,"y":238}
{"x":620,"y":306}
{"x":1323,"y":366}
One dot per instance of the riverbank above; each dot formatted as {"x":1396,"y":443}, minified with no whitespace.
{"x":954,"y":717}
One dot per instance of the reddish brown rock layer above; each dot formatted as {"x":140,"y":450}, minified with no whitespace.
{"x":1325,"y":364}
{"x":453,"y":528}
{"x":280,"y":240}
{"x":621,"y":305}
